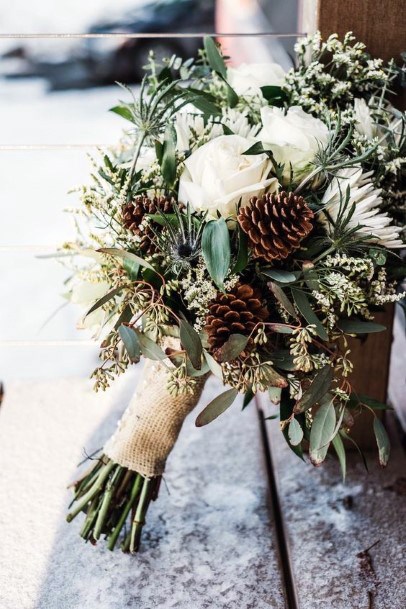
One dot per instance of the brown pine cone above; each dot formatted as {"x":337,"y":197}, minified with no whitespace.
{"x":275,"y":224}
{"x":133,"y":214}
{"x":235,"y":312}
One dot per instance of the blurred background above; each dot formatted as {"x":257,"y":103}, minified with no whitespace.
{"x":54,"y":101}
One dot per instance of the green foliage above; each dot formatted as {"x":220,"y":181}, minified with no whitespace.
{"x":216,"y":250}
{"x":216,"y":407}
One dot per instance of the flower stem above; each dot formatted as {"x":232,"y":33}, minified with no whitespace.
{"x":139,"y":518}
{"x":105,"y":504}
{"x":97,"y":486}
{"x":136,"y":488}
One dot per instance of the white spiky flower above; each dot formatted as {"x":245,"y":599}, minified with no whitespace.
{"x":239,"y":122}
{"x":372,"y":222}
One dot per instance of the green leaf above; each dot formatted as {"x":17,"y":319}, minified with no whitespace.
{"x":295,"y":432}
{"x":282,"y":298}
{"x":232,"y":96}
{"x":275,"y":95}
{"x":132,"y":269}
{"x":256,"y":148}
{"x":374,"y":404}
{"x":322,"y":429}
{"x":286,"y":409}
{"x":346,"y":436}
{"x":317,"y":390}
{"x":131,"y":343}
{"x":129,"y":256}
{"x":242,"y":255}
{"x":216,"y":407}
{"x":356,"y":326}
{"x":214,"y":57}
{"x":304,"y":306}
{"x":283,"y":360}
{"x":232,"y":347}
{"x":191,"y":371}
{"x":340,"y":450}
{"x":168,"y":165}
{"x":103,"y":300}
{"x":213,"y":365}
{"x":248,"y":397}
{"x":280,"y":328}
{"x":124,"y":112}
{"x":382,"y":441}
{"x":149,"y":348}
{"x":191,"y":342}
{"x":216,"y":250}
{"x":280,"y":275}
{"x":275,"y":395}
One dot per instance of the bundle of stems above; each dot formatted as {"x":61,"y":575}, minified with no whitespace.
{"x":114,"y":499}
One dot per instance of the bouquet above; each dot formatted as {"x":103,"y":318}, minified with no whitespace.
{"x":248,"y":222}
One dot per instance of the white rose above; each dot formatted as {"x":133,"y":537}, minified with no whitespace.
{"x":248,"y":78}
{"x":217,"y":176}
{"x":294,"y":137}
{"x":363,"y":119}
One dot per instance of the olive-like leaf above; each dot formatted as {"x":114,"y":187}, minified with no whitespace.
{"x":168,"y":164}
{"x":304,"y":306}
{"x":356,"y":326}
{"x":213,"y":365}
{"x":131,"y":342}
{"x":216,"y":250}
{"x":295,"y":432}
{"x":191,"y":342}
{"x":149,"y":348}
{"x":286,"y":409}
{"x":323,"y":426}
{"x":274,"y":394}
{"x":113,"y":251}
{"x":214,"y":57}
{"x":317,"y":390}
{"x":103,"y":300}
{"x":216,"y":407}
{"x":382,"y":441}
{"x":282,"y":298}
{"x":340,"y":450}
{"x":281,"y":275}
{"x":248,"y":397}
{"x":232,"y":347}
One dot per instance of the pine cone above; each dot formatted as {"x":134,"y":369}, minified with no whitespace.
{"x":133,"y":214}
{"x":275,"y":224}
{"x":236,"y":312}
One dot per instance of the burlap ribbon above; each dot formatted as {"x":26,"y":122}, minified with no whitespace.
{"x":150,"y":426}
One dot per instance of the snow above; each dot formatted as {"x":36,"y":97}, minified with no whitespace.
{"x":207,"y":543}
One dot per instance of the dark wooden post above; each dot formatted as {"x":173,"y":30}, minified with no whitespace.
{"x":381,"y":26}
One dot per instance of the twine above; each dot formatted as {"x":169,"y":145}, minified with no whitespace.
{"x":150,"y":426}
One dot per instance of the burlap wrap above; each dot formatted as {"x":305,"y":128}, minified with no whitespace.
{"x":150,"y":425}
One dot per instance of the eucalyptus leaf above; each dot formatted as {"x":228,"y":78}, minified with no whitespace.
{"x":216,"y":250}
{"x":382,"y":441}
{"x":317,"y":390}
{"x":104,"y":299}
{"x":191,"y":342}
{"x":323,"y":426}
{"x":242,"y":255}
{"x":281,"y":275}
{"x":283,"y":360}
{"x":214,"y":57}
{"x":149,"y":348}
{"x":282,"y":298}
{"x":248,"y":397}
{"x":374,"y":404}
{"x":286,"y":409}
{"x":132,"y":269}
{"x":304,"y":306}
{"x":280,"y":328}
{"x":275,"y":395}
{"x":295,"y":432}
{"x":131,"y":343}
{"x":356,"y":326}
{"x":216,"y":407}
{"x":213,"y":365}
{"x":340,"y":450}
{"x":112,"y":251}
{"x":232,"y":347}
